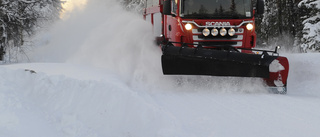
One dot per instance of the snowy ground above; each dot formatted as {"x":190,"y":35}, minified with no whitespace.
{"x":98,"y":76}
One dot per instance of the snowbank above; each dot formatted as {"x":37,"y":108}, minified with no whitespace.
{"x":81,"y":101}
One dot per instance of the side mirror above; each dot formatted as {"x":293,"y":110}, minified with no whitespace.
{"x":167,"y":7}
{"x":260,"y":7}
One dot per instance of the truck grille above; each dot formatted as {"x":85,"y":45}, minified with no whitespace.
{"x":213,"y":41}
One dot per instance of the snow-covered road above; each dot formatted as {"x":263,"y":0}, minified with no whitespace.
{"x":97,"y":76}
{"x":63,"y":99}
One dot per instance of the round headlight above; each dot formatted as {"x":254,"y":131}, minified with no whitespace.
{"x":214,"y":32}
{"x":188,"y":26}
{"x":231,"y":32}
{"x":206,"y":32}
{"x":223,"y":32}
{"x":249,"y":26}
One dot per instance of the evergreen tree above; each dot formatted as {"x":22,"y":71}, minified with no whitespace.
{"x":269,"y":23}
{"x":310,"y":11}
{"x":203,"y":10}
{"x":279,"y":23}
{"x":136,"y":5}
{"x":221,"y":10}
{"x":233,"y":7}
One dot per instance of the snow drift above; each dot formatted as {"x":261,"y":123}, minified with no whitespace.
{"x":62,"y":99}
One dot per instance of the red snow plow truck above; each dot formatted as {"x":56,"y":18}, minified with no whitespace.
{"x":215,"y":38}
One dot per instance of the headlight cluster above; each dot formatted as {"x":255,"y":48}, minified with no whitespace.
{"x":223,"y":32}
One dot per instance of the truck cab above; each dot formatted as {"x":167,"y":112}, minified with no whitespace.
{"x":214,"y":38}
{"x":210,"y":23}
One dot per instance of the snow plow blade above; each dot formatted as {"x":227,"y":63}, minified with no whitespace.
{"x":184,"y":60}
{"x":200,"y":61}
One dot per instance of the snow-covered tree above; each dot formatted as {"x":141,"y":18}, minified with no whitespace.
{"x":310,"y":10}
{"x":269,"y":21}
{"x":279,"y":23}
{"x":19,"y":18}
{"x":136,"y":5}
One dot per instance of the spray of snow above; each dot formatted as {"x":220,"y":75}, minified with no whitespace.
{"x":105,"y":35}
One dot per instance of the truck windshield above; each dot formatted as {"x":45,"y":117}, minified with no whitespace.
{"x":216,"y":9}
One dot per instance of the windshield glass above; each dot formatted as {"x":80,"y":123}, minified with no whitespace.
{"x":216,"y":9}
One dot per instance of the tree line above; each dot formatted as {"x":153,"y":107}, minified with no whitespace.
{"x":294,"y":24}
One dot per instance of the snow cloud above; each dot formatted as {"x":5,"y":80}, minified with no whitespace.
{"x":105,"y":35}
